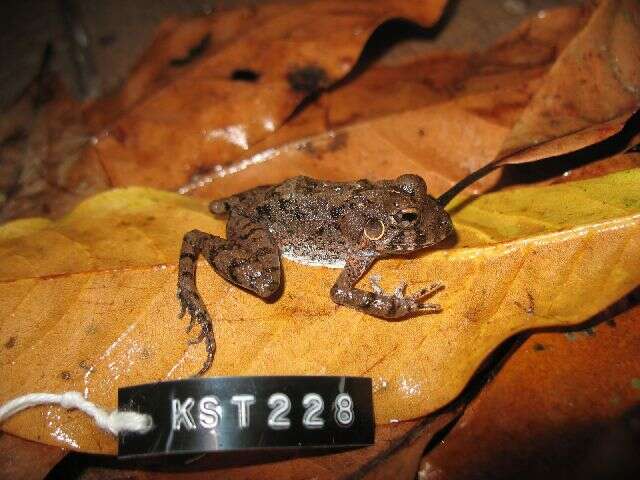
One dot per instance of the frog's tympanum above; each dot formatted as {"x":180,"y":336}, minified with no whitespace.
{"x":332,"y":224}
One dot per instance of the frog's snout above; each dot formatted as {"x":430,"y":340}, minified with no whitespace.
{"x":446,"y":226}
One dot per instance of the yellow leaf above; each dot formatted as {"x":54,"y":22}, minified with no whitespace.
{"x":88,"y":302}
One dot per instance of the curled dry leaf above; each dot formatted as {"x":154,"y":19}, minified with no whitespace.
{"x":88,"y":301}
{"x":589,"y":94}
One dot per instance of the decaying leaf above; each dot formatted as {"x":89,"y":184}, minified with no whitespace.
{"x":151,"y":131}
{"x":241,"y":93}
{"x":41,"y":138}
{"x":564,"y":404}
{"x":590,"y":92}
{"x":89,"y":300}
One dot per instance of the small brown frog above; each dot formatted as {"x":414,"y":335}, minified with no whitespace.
{"x":346,"y":225}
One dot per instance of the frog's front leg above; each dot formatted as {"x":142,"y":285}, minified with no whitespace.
{"x":248,"y":258}
{"x":376,"y":303}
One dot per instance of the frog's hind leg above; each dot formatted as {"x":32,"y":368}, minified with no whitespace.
{"x":249,"y":259}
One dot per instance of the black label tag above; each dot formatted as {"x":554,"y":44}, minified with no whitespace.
{"x":237,"y":413}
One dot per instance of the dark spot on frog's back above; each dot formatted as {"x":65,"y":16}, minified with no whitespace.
{"x":308,"y":79}
{"x":10,"y":343}
{"x":284,"y":205}
{"x":263,"y":210}
{"x":65,"y":375}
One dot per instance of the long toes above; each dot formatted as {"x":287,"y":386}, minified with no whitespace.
{"x":375,"y":284}
{"x":434,"y":287}
{"x":400,"y":290}
{"x":211,"y":350}
{"x":429,"y":307}
{"x":192,"y":322}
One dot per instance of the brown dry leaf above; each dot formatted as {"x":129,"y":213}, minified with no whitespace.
{"x":563,"y":406}
{"x":243,"y":92}
{"x":589,"y":94}
{"x":41,"y":138}
{"x":499,"y":104}
{"x":378,"y":91}
{"x":88,"y":300}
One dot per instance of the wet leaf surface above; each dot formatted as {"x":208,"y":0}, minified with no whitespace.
{"x":66,"y":277}
{"x":443,"y":131}
{"x":243,"y":92}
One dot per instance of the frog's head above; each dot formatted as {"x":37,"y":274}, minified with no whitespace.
{"x":406,"y":219}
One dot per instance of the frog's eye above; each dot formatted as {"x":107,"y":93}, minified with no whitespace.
{"x":374,"y":229}
{"x":408,"y":215}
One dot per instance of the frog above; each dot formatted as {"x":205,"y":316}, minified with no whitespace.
{"x":346,"y":225}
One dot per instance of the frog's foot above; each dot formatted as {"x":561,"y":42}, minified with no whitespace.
{"x":201,"y":317}
{"x":399,"y":304}
{"x":206,"y":336}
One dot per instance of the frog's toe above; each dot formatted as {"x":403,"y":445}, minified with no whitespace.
{"x":192,"y":322}
{"x":429,"y":307}
{"x":400,"y":289}
{"x":429,"y":290}
{"x":206,"y":336}
{"x":375,"y":284}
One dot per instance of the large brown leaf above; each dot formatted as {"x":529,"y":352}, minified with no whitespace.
{"x":563,"y":406}
{"x":491,"y":90}
{"x":88,"y":300}
{"x":243,"y":92}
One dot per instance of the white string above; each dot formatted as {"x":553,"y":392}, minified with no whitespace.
{"x":113,"y":422}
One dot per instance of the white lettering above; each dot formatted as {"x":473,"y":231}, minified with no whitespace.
{"x":181,"y":414}
{"x":243,"y":402}
{"x":281,"y":406}
{"x":314,"y":406}
{"x":210,"y":411}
